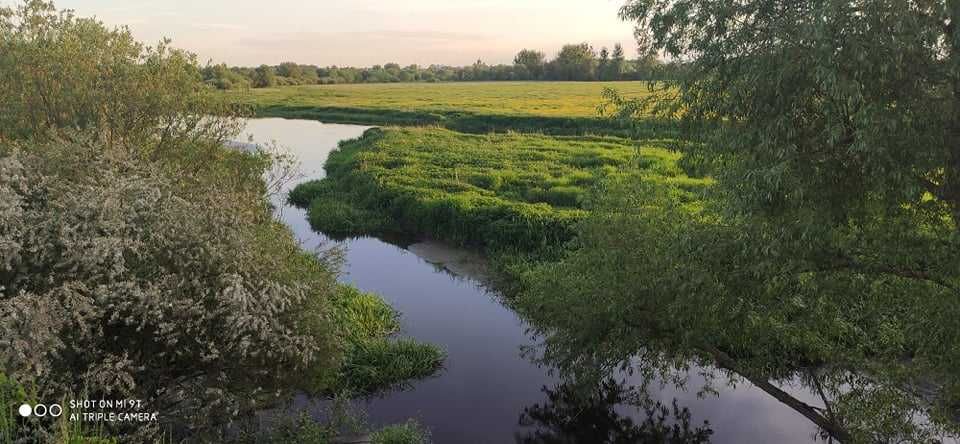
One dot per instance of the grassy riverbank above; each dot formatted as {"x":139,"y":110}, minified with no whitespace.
{"x":558,"y":108}
{"x":496,"y":191}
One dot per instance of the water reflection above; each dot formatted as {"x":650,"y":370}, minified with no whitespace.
{"x":576,"y":414}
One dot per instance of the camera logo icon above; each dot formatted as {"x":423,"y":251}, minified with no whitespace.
{"x":40,"y":410}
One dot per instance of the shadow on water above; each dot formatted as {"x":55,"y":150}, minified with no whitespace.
{"x":572,"y":414}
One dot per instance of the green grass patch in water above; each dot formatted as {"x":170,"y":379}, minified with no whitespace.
{"x":374,"y":361}
{"x":410,"y":432}
{"x":512,"y":191}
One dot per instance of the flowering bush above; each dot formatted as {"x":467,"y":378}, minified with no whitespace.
{"x":121,"y":280}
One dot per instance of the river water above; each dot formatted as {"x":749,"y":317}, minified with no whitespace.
{"x":487,"y":382}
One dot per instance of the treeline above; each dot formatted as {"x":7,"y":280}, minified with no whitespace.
{"x":575,"y":62}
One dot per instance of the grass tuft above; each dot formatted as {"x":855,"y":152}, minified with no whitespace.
{"x":374,"y":365}
{"x":409,"y":432}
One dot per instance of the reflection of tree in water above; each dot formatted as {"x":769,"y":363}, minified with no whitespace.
{"x":576,"y":415}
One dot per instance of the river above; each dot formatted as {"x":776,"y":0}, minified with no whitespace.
{"x":487,"y":382}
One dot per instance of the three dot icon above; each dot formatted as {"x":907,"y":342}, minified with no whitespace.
{"x":40,"y":410}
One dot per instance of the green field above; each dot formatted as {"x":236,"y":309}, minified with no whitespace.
{"x":542,"y":99}
{"x":514,"y":191}
{"x":560,"y":108}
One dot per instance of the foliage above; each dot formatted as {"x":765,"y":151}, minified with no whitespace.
{"x":830,"y":240}
{"x":54,"y":69}
{"x":574,"y":62}
{"x":139,"y":258}
{"x":529,"y":64}
{"x":670,"y":283}
{"x":263,"y":77}
{"x":846,"y":157}
{"x":141,"y":284}
{"x":222,"y":77}
{"x":862,"y":120}
{"x":409,"y":432}
{"x":519,"y":192}
{"x":11,"y":396}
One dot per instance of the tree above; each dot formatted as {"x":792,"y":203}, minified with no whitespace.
{"x":264,"y":77}
{"x":290,"y":70}
{"x":874,"y":99}
{"x":617,"y":63}
{"x":831,"y":238}
{"x":43,"y":86}
{"x":139,"y":258}
{"x":222,"y":77}
{"x":576,"y":62}
{"x":532,"y":61}
{"x":603,"y":65}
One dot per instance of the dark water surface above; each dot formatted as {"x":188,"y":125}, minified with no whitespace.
{"x":487,"y":384}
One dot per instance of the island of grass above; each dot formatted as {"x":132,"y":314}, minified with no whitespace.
{"x":559,"y":108}
{"x":516,"y":192}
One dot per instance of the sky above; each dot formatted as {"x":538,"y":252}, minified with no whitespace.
{"x":364,"y":32}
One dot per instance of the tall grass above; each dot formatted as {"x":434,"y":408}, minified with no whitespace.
{"x":374,"y":361}
{"x":499,"y":191}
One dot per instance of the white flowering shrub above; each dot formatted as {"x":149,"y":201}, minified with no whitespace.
{"x":139,"y":258}
{"x":125,"y":281}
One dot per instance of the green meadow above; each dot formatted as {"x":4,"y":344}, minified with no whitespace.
{"x":512,"y":191}
{"x":559,"y":108}
{"x":542,"y":99}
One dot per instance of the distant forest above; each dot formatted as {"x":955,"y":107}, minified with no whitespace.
{"x":575,"y":62}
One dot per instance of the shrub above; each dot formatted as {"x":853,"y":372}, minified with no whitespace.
{"x":409,"y":432}
{"x":117,"y":278}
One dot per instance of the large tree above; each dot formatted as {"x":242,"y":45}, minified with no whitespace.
{"x":532,"y":62}
{"x":576,"y":62}
{"x":830,"y":240}
{"x":833,"y":105}
{"x":617,"y":62}
{"x":264,"y":77}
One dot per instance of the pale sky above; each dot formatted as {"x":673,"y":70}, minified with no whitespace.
{"x":365,"y":32}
